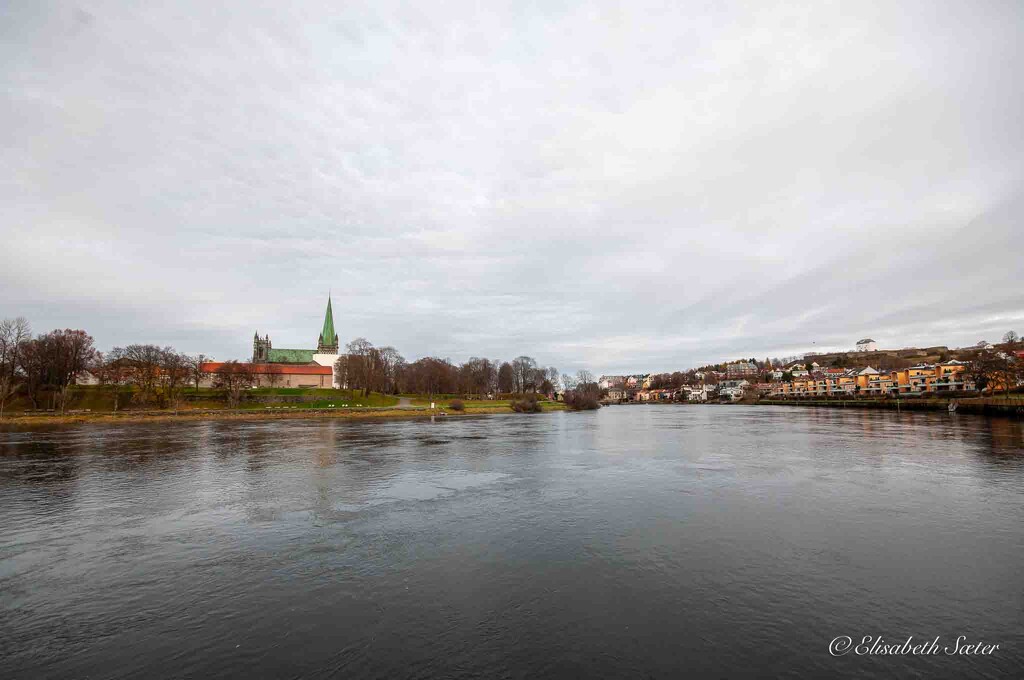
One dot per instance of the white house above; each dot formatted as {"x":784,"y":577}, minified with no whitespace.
{"x":732,"y":388}
{"x":866,"y":345}
{"x":695,"y":393}
{"x":798,"y":371}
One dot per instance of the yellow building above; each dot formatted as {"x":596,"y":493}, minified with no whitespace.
{"x":944,"y":377}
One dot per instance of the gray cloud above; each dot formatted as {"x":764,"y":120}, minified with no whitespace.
{"x":622,"y":187}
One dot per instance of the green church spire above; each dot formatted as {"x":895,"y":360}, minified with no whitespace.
{"x":327,"y":337}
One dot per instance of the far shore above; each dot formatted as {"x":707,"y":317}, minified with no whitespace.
{"x":252,"y":415}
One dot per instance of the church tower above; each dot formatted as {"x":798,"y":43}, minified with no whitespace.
{"x":260,"y":349}
{"x":328,"y":343}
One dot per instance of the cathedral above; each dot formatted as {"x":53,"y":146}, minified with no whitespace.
{"x":325,"y":354}
{"x":302,"y":368}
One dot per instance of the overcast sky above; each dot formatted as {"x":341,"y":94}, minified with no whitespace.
{"x":613,"y":186}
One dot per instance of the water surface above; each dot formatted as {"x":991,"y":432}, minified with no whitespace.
{"x":652,"y":541}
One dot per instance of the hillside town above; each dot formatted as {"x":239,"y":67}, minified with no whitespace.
{"x":866,"y":371}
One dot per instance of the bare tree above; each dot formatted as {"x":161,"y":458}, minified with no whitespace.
{"x":431,"y":376}
{"x":361,"y":364}
{"x":111,"y":371}
{"x":585,"y":394}
{"x":142,"y":370}
{"x":477,"y":376}
{"x":552,"y":376}
{"x":389,"y":360}
{"x":14,"y":333}
{"x":76,"y":355}
{"x":52,"y":361}
{"x":233,"y":377}
{"x":32,"y":362}
{"x":523,"y":370}
{"x":341,"y":365}
{"x":196,"y":370}
{"x":506,"y":378}
{"x":985,"y":370}
{"x":1007,"y":371}
{"x":174,"y":376}
{"x":273,"y":376}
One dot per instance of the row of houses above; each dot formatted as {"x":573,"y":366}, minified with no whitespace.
{"x":948,"y":376}
{"x":640,"y":381}
{"x":691,"y":393}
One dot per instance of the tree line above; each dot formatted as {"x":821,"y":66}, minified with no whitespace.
{"x":382,"y":369}
{"x":43,"y":368}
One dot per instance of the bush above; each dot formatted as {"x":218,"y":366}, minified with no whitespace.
{"x":457,"y":405}
{"x":528,"y":404}
{"x":581,"y":401}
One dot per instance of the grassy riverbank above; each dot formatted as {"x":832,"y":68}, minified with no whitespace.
{"x":244,"y":414}
{"x":106,"y":399}
{"x":96,"y":405}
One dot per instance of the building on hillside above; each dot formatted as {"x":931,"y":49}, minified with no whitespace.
{"x":798,"y":370}
{"x":867,"y":345}
{"x":872,"y":383}
{"x":606,"y":382}
{"x":741,"y":369}
{"x":732,"y":389}
{"x":615,"y":394}
{"x":696,"y":393}
{"x":951,"y":376}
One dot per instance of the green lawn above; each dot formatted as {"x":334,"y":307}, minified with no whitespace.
{"x":325,"y":397}
{"x":97,"y":399}
{"x":420,"y":400}
{"x":374,"y":401}
{"x":470,"y":404}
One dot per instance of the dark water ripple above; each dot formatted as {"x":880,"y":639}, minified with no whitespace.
{"x":631,"y":542}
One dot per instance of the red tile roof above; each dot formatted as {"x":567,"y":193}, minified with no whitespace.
{"x":270,"y":369}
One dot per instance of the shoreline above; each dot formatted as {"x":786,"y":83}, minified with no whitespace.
{"x":981,"y":406}
{"x":142,"y":417}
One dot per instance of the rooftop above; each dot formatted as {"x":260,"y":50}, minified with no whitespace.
{"x":272,"y":369}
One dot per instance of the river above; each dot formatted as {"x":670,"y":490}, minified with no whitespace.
{"x":648,"y":541}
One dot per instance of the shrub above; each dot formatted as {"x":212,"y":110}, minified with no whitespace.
{"x":581,"y":401}
{"x":457,"y":405}
{"x":528,"y":404}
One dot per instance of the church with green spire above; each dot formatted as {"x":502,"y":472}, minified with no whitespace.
{"x":263,"y":351}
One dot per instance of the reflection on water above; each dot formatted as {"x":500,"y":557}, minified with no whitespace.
{"x":635,"y":541}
